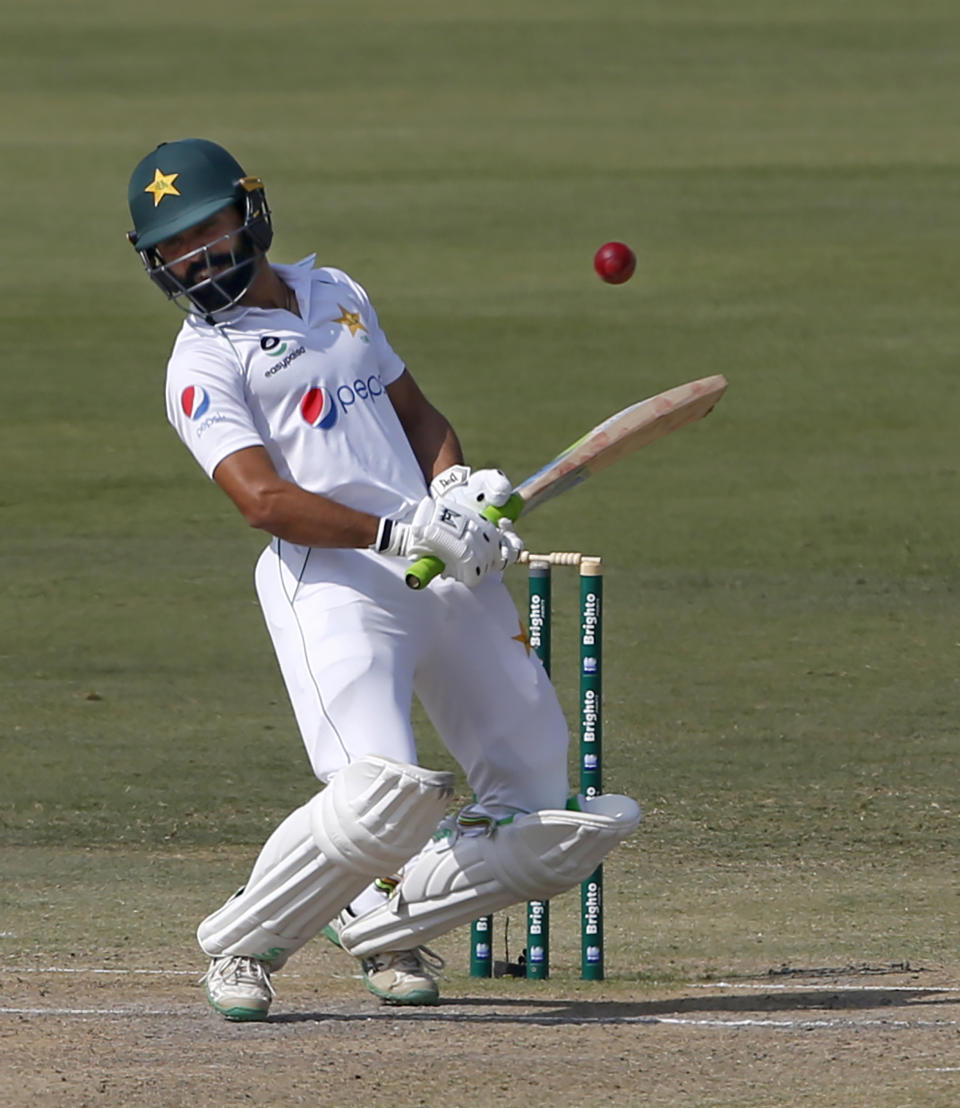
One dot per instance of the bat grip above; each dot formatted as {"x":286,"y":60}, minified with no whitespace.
{"x":421,"y":572}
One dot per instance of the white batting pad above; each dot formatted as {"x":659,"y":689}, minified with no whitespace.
{"x":373,"y":816}
{"x":461,"y":876}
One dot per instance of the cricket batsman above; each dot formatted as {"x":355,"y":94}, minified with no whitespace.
{"x":285,"y":389}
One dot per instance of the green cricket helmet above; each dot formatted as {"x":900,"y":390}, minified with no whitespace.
{"x":179,"y":185}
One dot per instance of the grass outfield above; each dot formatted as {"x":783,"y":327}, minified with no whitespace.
{"x":782,"y":639}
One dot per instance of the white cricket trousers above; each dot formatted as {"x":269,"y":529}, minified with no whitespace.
{"x":355,"y":644}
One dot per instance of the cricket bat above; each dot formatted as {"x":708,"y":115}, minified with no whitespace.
{"x":622,"y":434}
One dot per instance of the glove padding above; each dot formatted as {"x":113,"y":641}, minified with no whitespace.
{"x":474,"y":489}
{"x":469,"y":545}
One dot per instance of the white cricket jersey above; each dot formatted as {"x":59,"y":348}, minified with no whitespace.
{"x":310,"y":389}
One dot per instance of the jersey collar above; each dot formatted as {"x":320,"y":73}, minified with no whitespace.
{"x":297,"y":276}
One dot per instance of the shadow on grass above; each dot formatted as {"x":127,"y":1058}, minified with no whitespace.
{"x":532,"y":1011}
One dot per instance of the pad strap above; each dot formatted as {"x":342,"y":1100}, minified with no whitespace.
{"x":461,"y":876}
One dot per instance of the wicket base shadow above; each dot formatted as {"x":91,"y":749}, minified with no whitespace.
{"x":530,"y":1010}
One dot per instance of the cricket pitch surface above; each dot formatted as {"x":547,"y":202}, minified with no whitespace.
{"x":877,"y":1036}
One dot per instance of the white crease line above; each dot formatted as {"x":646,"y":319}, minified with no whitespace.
{"x":89,"y":1012}
{"x":64,"y":969}
{"x":826,"y":987}
{"x":758,"y":985}
{"x":532,"y":1018}
{"x":198,"y":972}
{"x":807,"y":1024}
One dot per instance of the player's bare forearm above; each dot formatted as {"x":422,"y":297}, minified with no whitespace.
{"x":429,"y":432}
{"x":270,"y":503}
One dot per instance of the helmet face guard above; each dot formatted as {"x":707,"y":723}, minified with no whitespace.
{"x":179,"y":185}
{"x":228,"y":264}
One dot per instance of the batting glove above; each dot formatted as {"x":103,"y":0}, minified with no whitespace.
{"x":469,"y":545}
{"x":474,"y":489}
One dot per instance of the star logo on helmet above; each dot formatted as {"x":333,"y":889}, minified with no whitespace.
{"x":162,"y":185}
{"x":350,"y":319}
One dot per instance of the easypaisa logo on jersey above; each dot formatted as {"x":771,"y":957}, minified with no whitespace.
{"x":322,"y":407}
{"x":276,"y":348}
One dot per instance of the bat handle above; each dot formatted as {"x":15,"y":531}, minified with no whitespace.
{"x":421,"y":572}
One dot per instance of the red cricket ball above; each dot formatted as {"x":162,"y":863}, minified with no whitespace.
{"x":615,"y":262}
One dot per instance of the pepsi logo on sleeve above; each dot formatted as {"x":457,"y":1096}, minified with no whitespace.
{"x":195,"y":402}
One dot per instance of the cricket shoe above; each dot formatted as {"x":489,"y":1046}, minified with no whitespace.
{"x":239,"y":988}
{"x":396,"y":976}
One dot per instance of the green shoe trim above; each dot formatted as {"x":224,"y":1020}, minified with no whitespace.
{"x":242,"y":1015}
{"x":422,"y":997}
{"x":237,"y":1013}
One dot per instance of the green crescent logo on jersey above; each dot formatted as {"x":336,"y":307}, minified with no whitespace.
{"x":271,"y":345}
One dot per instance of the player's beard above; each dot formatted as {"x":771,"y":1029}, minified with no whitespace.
{"x":225,"y":288}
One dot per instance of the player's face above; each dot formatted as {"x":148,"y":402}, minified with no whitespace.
{"x":180,"y":251}
{"x":212,"y":263}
